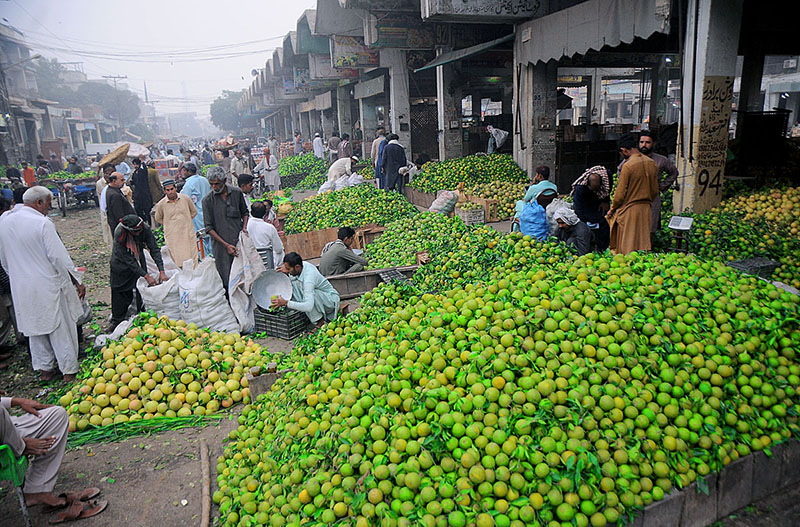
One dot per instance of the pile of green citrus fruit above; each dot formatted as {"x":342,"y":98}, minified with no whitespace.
{"x":506,"y":193}
{"x":63,"y":175}
{"x":158,"y":234}
{"x":763,"y":224}
{"x":470,"y":170}
{"x":313,"y":167}
{"x":163,"y":368}
{"x":539,"y":388}
{"x":353,"y":206}
{"x":405,"y":237}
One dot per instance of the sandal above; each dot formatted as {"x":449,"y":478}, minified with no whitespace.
{"x":71,"y":497}
{"x":79,"y":510}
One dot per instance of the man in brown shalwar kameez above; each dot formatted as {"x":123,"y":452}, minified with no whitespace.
{"x":630,"y":215}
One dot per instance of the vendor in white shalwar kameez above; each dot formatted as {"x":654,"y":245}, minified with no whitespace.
{"x":44,"y":285}
{"x":268,"y":168}
{"x":341,"y":167}
{"x":265,"y":235}
{"x":311,"y":292}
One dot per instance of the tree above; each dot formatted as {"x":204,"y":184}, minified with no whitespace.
{"x":117,"y":104}
{"x":224,"y":113}
{"x":48,"y":78}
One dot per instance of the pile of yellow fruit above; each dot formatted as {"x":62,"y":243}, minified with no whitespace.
{"x":161,"y":368}
{"x":781,"y":206}
{"x":505,"y":192}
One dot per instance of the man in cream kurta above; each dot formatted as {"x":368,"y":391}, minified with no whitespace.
{"x":312,"y":293}
{"x":176,"y":212}
{"x":44,"y":284}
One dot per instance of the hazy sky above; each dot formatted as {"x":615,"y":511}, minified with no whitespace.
{"x":168,"y":43}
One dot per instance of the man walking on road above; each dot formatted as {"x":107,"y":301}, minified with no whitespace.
{"x":44,"y":285}
{"x":197,"y":188}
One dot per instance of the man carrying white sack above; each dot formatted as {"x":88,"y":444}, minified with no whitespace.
{"x":44,"y":285}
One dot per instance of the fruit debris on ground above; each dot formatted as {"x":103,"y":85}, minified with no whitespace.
{"x":352,"y":206}
{"x":533,"y":387}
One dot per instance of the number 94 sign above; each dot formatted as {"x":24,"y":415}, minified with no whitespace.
{"x":707,"y":181}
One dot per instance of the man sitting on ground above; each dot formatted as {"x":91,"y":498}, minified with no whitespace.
{"x":264,"y":235}
{"x":42,"y":433}
{"x":311,"y":292}
{"x":337,"y":256}
{"x":573,"y":231}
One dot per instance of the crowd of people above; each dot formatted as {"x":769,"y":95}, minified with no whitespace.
{"x":594,"y":221}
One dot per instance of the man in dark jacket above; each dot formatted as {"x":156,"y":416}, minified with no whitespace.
{"x":131,"y":237}
{"x":591,"y":209}
{"x":573,"y":231}
{"x":392,"y":161}
{"x":142,"y":197}
{"x":117,"y":205}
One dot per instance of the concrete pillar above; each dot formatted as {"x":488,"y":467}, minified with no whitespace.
{"x":448,"y":106}
{"x":713,"y":34}
{"x":596,"y":113}
{"x":327,"y":123}
{"x":399,"y":101}
{"x":369,"y":123}
{"x":545,"y":86}
{"x":345,"y":115}
{"x":294,"y":124}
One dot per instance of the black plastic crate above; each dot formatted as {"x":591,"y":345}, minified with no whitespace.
{"x":761,"y":267}
{"x":286,"y":324}
{"x":292,"y":180}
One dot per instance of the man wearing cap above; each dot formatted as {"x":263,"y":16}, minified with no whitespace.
{"x":176,"y":212}
{"x":318,"y":147}
{"x":131,"y":237}
{"x":225,"y":215}
{"x":264,"y":235}
{"x":629,"y":217}
{"x":239,"y":165}
{"x":341,"y":167}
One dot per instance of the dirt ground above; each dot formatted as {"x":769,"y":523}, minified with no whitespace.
{"x":153,"y":480}
{"x":157,"y":479}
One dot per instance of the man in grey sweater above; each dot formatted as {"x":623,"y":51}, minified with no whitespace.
{"x":337,"y":257}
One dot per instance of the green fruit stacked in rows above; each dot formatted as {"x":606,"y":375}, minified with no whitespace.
{"x":161,"y":368}
{"x":470,"y":170}
{"x":353,"y":206}
{"x":576,"y":391}
{"x":300,"y":164}
{"x":405,"y":237}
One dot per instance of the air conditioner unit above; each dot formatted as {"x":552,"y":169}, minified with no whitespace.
{"x":789,"y":63}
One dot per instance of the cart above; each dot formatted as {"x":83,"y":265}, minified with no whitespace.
{"x":72,"y":193}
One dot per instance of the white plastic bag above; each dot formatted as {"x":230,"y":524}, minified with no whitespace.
{"x":445,"y":202}
{"x":327,"y":187}
{"x":246,"y":267}
{"x":342,"y":182}
{"x":354,"y":180}
{"x":193,"y":295}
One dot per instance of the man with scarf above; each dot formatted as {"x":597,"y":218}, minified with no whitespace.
{"x":590,"y":197}
{"x":142,"y":197}
{"x":225,"y":215}
{"x":573,"y":231}
{"x":128,"y":264}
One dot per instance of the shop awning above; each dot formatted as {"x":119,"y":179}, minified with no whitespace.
{"x":459,"y":54}
{"x":590,"y":25}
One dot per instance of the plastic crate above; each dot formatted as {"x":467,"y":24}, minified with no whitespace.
{"x":470,"y":216}
{"x":761,"y":267}
{"x":287,"y":324}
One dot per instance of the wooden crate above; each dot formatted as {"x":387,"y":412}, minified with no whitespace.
{"x":490,"y":213}
{"x":353,"y":285}
{"x":421,"y":199}
{"x":309,"y":244}
{"x":368,"y":234}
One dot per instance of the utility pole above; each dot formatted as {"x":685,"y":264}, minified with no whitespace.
{"x":115,"y":78}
